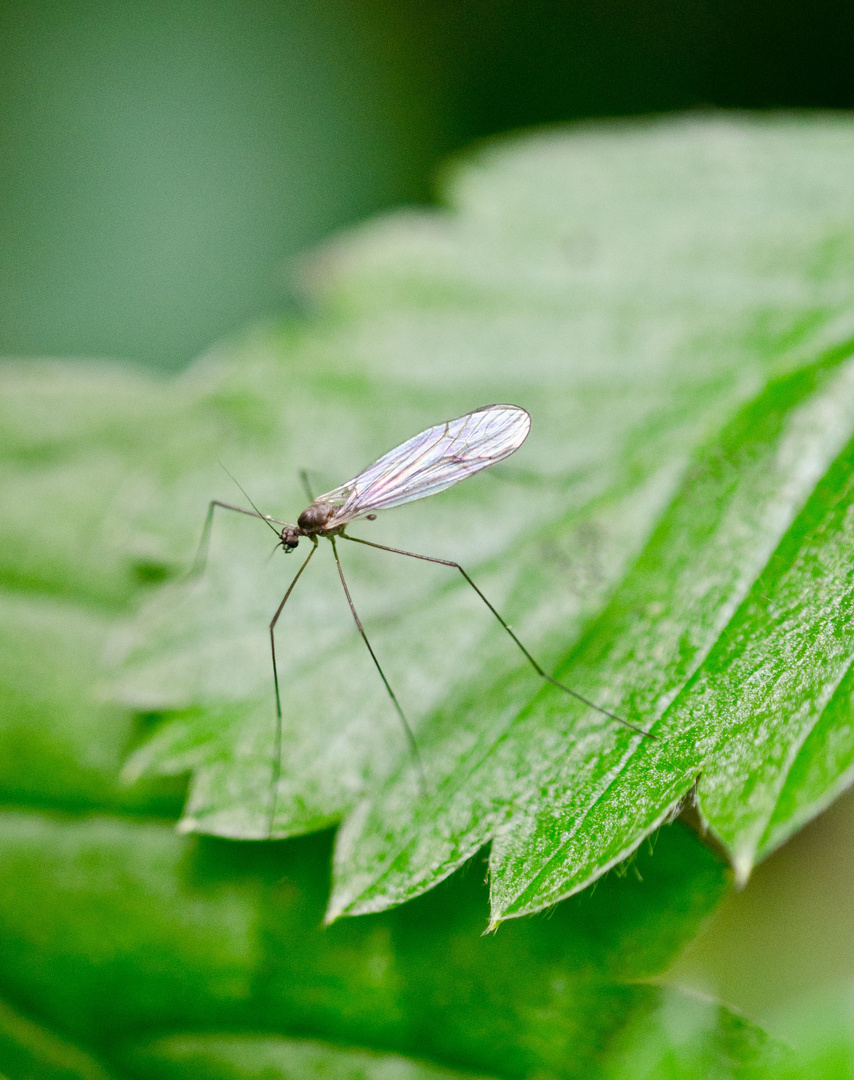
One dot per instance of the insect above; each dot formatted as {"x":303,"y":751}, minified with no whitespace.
{"x":430,"y":462}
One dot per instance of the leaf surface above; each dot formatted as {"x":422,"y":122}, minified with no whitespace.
{"x":671,"y":304}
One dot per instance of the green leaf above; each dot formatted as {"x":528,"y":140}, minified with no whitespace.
{"x":671,"y":303}
{"x":117,"y":932}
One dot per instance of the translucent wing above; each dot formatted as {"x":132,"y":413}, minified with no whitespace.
{"x":430,"y":462}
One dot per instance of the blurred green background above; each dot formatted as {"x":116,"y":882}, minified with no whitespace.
{"x":162,"y":164}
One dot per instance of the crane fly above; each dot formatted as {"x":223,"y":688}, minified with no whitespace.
{"x":430,"y":462}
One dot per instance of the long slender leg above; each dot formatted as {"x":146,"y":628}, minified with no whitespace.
{"x":277,"y":748}
{"x":534,"y":664}
{"x":413,"y":746}
{"x":202,"y":551}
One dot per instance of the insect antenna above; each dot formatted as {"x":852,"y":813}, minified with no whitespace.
{"x":263,"y":517}
{"x":540,"y":670}
{"x":410,"y":735}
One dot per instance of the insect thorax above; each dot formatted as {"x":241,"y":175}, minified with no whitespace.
{"x":313,"y":519}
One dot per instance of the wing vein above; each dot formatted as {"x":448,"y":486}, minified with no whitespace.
{"x":430,"y":462}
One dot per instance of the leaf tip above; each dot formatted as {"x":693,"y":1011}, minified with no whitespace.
{"x":187,"y":825}
{"x":742,"y":865}
{"x":335,"y":909}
